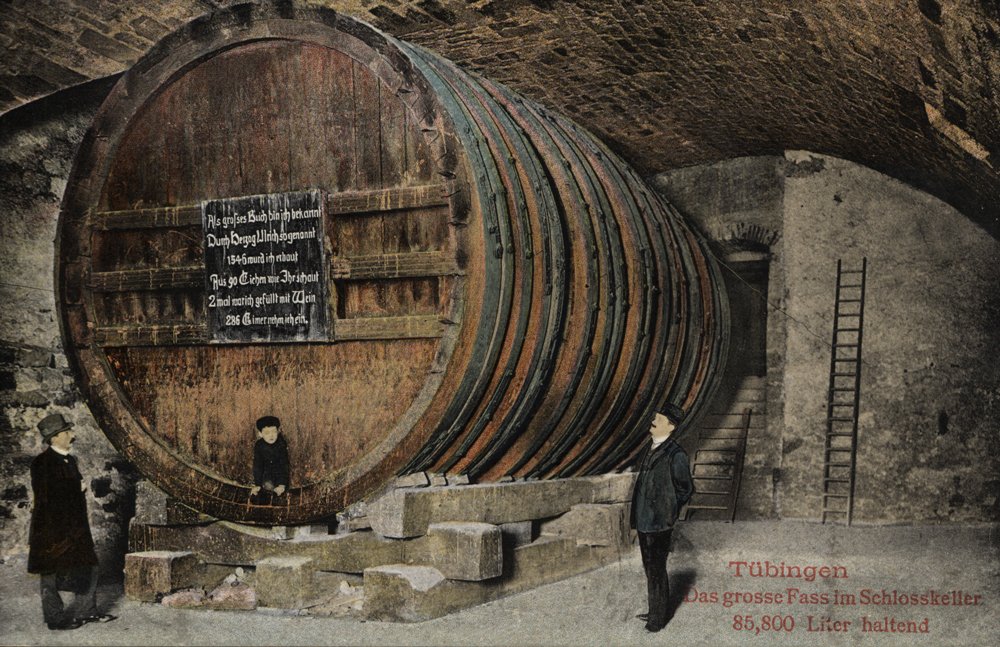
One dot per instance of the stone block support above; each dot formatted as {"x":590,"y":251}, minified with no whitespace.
{"x":407,"y":593}
{"x":465,"y":550}
{"x":157,"y":573}
{"x":612,"y":488}
{"x":223,"y":542}
{"x":518,"y":533}
{"x":408,"y":512}
{"x":399,"y":592}
{"x":592,"y":524}
{"x":285,"y":582}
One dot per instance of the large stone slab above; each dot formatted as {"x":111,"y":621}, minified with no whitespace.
{"x":404,"y":593}
{"x":410,"y":593}
{"x":237,"y":545}
{"x":613,"y":488}
{"x":550,"y":559}
{"x":592,"y":524}
{"x":408,"y":512}
{"x":153,"y":574}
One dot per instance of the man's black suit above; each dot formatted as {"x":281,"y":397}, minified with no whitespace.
{"x":662,"y":487}
{"x":60,"y":547}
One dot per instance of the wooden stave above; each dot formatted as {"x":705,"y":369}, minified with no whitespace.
{"x":503,"y":378}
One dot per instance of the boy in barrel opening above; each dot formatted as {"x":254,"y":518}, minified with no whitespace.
{"x":60,"y":546}
{"x":270,"y":458}
{"x":662,"y":487}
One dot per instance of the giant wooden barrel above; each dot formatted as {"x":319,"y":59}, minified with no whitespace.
{"x":488,"y":290}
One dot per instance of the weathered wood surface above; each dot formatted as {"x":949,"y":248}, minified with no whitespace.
{"x":164,"y":278}
{"x":393,"y":266}
{"x":431,"y":195}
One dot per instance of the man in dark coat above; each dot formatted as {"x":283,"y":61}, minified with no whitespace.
{"x":60,"y":547}
{"x":662,"y":487}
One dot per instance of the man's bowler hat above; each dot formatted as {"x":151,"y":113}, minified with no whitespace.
{"x":673,"y":412}
{"x":267,"y":421}
{"x":53,"y":424}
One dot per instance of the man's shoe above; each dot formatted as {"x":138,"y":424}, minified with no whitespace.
{"x":642,"y":616}
{"x":651,"y":627}
{"x":64,"y":626}
{"x":104,"y":617}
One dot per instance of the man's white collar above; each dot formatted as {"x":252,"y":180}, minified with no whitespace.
{"x":64,"y":452}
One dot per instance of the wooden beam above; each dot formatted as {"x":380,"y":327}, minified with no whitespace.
{"x":168,"y":278}
{"x":393,"y":266}
{"x":153,"y":218}
{"x":155,"y":335}
{"x":344,"y":203}
{"x":414,"y":327}
{"x":362,"y":328}
{"x":351,"y":202}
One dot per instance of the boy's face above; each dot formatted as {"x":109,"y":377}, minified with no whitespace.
{"x":269,"y":434}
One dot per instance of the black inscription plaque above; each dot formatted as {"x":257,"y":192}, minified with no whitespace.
{"x":264,"y":268}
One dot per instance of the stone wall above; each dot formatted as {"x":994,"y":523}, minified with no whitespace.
{"x":37,"y":144}
{"x":930,"y":401}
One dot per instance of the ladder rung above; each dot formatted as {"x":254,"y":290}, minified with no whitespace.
{"x":849,"y":301}
{"x":848,"y":329}
{"x":852,"y":271}
{"x":836,"y":496}
{"x":853,"y":360}
{"x":848,"y":314}
{"x":839,"y":433}
{"x":711,"y":478}
{"x":853,"y":285}
{"x":838,"y":464}
{"x":714,"y":492}
{"x":839,"y":419}
{"x":844,"y":389}
{"x":830,"y":479}
{"x":841,"y":404}
{"x":844,"y":374}
{"x":714,"y":463}
{"x":708,"y":507}
{"x":848,"y":345}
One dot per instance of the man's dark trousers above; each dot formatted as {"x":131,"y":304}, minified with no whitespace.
{"x":654,"y":547}
{"x":54,"y":612}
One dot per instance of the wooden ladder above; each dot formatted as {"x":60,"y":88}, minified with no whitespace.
{"x":840,"y":448}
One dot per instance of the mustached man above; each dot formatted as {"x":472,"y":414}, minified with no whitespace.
{"x":60,"y":547}
{"x":662,"y":487}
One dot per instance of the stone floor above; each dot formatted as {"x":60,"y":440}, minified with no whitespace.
{"x":597,"y":608}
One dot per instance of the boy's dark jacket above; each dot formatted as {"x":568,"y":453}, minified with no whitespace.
{"x":270,"y":462}
{"x":662,"y":486}
{"x":59,"y":539}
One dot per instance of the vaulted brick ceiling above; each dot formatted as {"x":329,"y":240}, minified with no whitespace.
{"x":908,"y":87}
